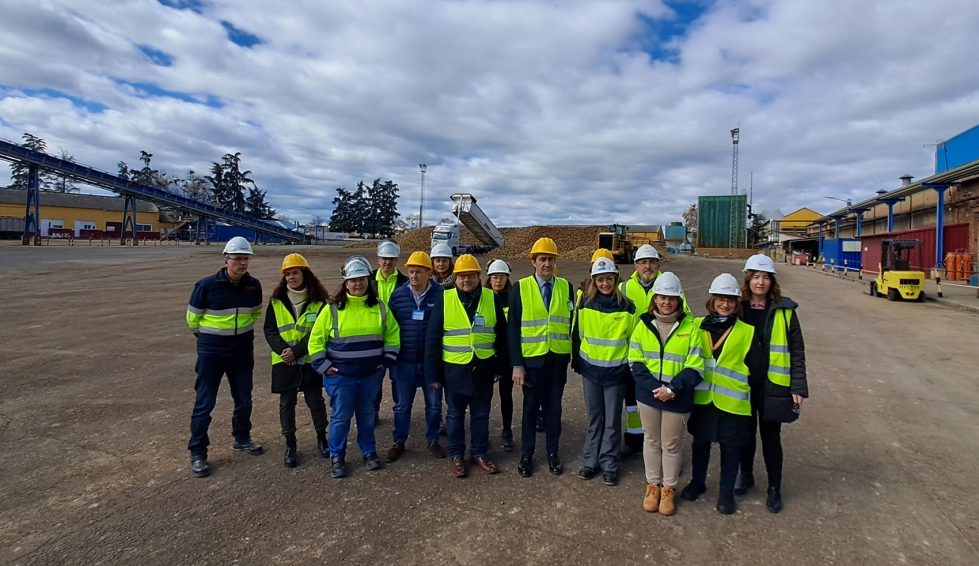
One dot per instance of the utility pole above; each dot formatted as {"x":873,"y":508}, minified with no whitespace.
{"x":421,"y":207}
{"x":734,"y":239}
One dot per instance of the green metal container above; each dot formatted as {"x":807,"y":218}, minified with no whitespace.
{"x":714,"y":221}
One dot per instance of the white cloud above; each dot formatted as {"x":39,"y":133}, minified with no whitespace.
{"x":548,"y":113}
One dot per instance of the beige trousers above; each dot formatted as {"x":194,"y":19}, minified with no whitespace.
{"x":663,"y":434}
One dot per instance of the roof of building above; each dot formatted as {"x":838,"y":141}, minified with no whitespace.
{"x":71,"y":200}
{"x":646,"y":228}
{"x":800,"y":218}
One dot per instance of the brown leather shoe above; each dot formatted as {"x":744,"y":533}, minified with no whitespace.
{"x":650,"y":503}
{"x":487,"y":466}
{"x":437,"y":450}
{"x":397,"y":449}
{"x":459,"y":467}
{"x":666,"y":505}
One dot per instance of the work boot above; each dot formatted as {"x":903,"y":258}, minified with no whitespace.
{"x":693,"y":491}
{"x":371,"y":462}
{"x":397,"y":449}
{"x":554,"y":464}
{"x":199,"y":467}
{"x":289,"y":460}
{"x":508,"y":440}
{"x":725,"y":502}
{"x":650,"y":502}
{"x":745,"y":482}
{"x":610,"y":479}
{"x":248,"y":447}
{"x":338,"y":467}
{"x":666,"y":504}
{"x":774,"y":502}
{"x":322,"y":445}
{"x":437,"y":450}
{"x":526,"y":466}
{"x":586,"y":473}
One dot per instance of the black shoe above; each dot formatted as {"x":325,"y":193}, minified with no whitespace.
{"x":525,"y":467}
{"x":338,"y":467}
{"x":540,"y":423}
{"x":610,"y":478}
{"x":554,"y":464}
{"x":199,"y":467}
{"x":586,"y":473}
{"x":744,"y":484}
{"x":323,"y":446}
{"x":774,"y":502}
{"x":725,"y":502}
{"x":693,"y":491}
{"x":249,"y":447}
{"x":371,"y":462}
{"x":289,"y":460}
{"x":508,"y":440}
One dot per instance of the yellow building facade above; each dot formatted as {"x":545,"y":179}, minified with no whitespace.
{"x":79,"y":212}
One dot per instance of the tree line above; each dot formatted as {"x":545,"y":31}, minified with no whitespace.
{"x":368,"y":210}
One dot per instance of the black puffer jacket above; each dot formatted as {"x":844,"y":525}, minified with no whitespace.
{"x":765,"y":396}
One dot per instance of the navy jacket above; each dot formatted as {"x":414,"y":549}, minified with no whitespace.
{"x":402,"y":305}
{"x":682,"y":385}
{"x":218,"y":293}
{"x":458,"y":378}
{"x":606,"y":304}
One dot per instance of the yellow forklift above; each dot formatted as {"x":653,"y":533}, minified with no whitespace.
{"x":616,"y":240}
{"x":895,"y":278}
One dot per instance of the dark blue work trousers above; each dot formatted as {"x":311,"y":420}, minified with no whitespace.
{"x":542,"y":394}
{"x":210,"y":369}
{"x":479,"y":411}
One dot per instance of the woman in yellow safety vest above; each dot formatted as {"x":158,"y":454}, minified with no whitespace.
{"x":722,"y":402}
{"x":667,"y":361}
{"x":353,"y":340}
{"x":600,"y":335}
{"x":776,"y":372}
{"x":296,"y":303}
{"x":498,"y":279}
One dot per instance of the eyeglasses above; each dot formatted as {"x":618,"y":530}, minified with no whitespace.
{"x":725,"y":300}
{"x":604,"y":280}
{"x":245,"y":259}
{"x":498,"y":277}
{"x":467,"y":276}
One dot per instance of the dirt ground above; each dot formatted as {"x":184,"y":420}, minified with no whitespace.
{"x":96,"y":390}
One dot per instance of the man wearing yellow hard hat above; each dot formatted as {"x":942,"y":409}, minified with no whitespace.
{"x":539,"y":330}
{"x":412,"y":304}
{"x":465,"y":353}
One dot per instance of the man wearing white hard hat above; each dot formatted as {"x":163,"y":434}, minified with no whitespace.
{"x":386,"y":279}
{"x":222,"y":313}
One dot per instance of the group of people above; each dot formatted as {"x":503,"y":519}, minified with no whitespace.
{"x":441,"y":329}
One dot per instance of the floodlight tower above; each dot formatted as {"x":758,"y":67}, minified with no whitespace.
{"x":733,"y":238}
{"x":421,"y":207}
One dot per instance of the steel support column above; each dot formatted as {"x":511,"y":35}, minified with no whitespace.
{"x":890,"y":202}
{"x":819,"y":247}
{"x":859,"y":212}
{"x":129,"y":220}
{"x":32,"y":219}
{"x":940,"y":188}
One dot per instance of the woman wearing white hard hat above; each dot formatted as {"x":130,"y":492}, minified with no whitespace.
{"x":600,"y":335}
{"x":776,"y":372}
{"x":722,"y":401}
{"x":498,"y":279}
{"x":667,"y":362}
{"x":351,"y":343}
{"x":442,"y":266}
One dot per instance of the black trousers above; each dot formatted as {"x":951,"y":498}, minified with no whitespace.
{"x":730,"y":457}
{"x":543,"y":392}
{"x":506,"y":399}
{"x":771,"y":449}
{"x":312,"y":389}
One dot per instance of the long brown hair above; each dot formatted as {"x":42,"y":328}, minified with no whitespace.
{"x":317,"y":293}
{"x":506,"y":288}
{"x":441,"y":278}
{"x":591,"y":291}
{"x":774,"y":295}
{"x":340,"y":299}
{"x":712,"y":310}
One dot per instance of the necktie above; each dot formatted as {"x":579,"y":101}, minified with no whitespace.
{"x":546,"y":292}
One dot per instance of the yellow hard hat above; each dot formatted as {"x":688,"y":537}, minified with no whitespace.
{"x":292,"y":261}
{"x":419,"y":259}
{"x":601,"y":252}
{"x":544,"y":246}
{"x":467,"y":264}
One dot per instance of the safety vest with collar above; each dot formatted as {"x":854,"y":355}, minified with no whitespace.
{"x":779,"y":359}
{"x":355,"y":339}
{"x":683,"y":349}
{"x":220,"y":308}
{"x":633,"y":289}
{"x":386,"y":286}
{"x":604,"y":336}
{"x":462,"y":339}
{"x":541,"y":329}
{"x":725,"y":381}
{"x":291,"y":330}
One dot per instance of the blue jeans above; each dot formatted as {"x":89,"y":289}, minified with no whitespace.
{"x":392,"y":374}
{"x":409,"y":377}
{"x":479,"y":410}
{"x":210,"y":369}
{"x":351,"y":396}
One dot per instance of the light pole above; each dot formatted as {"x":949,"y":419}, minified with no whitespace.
{"x":421,"y":206}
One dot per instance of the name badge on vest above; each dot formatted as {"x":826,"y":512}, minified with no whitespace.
{"x":417,"y":314}
{"x":311,"y":317}
{"x":479,"y":320}
{"x":570,"y":306}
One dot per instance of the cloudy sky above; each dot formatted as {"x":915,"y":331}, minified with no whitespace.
{"x":549,"y":112}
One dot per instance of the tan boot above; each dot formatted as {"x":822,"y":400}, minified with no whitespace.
{"x":650,"y":503}
{"x":666,"y":505}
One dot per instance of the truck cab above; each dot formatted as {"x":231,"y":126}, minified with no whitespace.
{"x":447,"y":234}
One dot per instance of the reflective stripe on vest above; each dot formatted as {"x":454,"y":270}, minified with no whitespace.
{"x":223,"y":322}
{"x":604,"y":337}
{"x":367,"y":343}
{"x":291,"y":331}
{"x":462,"y":339}
{"x":682,"y":350}
{"x":541,"y":330}
{"x":779,"y":359}
{"x":726,"y":377}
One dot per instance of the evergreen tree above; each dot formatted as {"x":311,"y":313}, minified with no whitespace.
{"x":64,"y":183}
{"x":20,"y":170}
{"x":343,"y":213}
{"x":257,"y":207}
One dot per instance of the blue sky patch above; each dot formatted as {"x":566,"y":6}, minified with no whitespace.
{"x":90,"y":106}
{"x":147,"y":90}
{"x":240,"y":37}
{"x":192,"y":5}
{"x":658,"y":32}
{"x":158,"y":57}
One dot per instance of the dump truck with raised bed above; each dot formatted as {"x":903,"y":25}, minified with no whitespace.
{"x":467,"y":212}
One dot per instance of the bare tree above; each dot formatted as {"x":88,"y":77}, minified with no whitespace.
{"x":690,"y":218}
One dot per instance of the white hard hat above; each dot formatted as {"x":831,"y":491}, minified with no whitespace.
{"x":238,"y":245}
{"x":356,"y":266}
{"x":497,"y":266}
{"x":603,"y":265}
{"x":759,"y":262}
{"x":668,"y":285}
{"x":441,"y":250}
{"x":725,"y":284}
{"x":646,"y":251}
{"x":388,"y":248}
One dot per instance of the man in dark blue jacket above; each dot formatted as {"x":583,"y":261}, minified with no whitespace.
{"x":412,"y":304}
{"x":222,"y":313}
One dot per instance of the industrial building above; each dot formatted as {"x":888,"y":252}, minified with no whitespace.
{"x":81,"y":216}
{"x":786,"y":235}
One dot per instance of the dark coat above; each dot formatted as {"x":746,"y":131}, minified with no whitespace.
{"x":764,"y":394}
{"x":285,"y":377}
{"x":413,"y":332}
{"x":682,"y":385}
{"x":513,"y":334}
{"x":459,"y":378}
{"x":217,"y":292}
{"x":598,"y":375}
